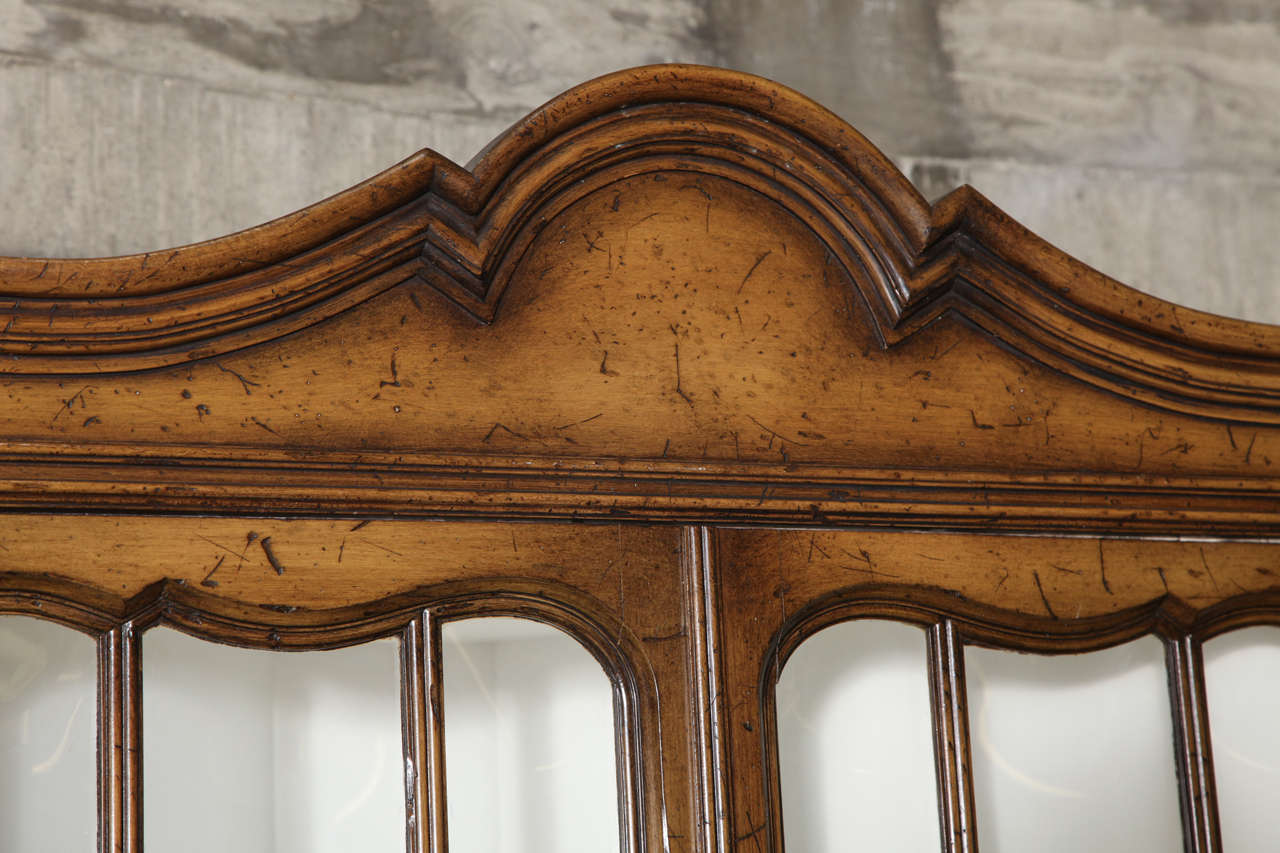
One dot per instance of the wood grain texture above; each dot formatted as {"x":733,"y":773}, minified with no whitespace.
{"x":766,"y":397}
{"x":618,"y":590}
{"x":705,"y":299}
{"x":697,"y":624}
{"x":1048,"y":595}
{"x":908,"y":262}
{"x":698,"y":312}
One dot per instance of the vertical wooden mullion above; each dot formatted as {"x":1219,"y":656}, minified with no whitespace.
{"x":704,"y":672}
{"x":413,"y":732}
{"x":423,"y":722}
{"x":119,"y":741}
{"x":1193,"y":746}
{"x":951,"y":740}
{"x":110,"y":744}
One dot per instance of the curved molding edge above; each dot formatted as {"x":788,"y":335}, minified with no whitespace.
{"x":951,"y":623}
{"x":217,"y":618}
{"x":464,"y":231}
{"x":208,"y":616}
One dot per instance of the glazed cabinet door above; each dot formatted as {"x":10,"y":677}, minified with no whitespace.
{"x":337,"y":686}
{"x":923,"y":691}
{"x":426,"y":685}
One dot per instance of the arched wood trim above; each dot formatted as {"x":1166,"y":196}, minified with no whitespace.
{"x":950,"y":623}
{"x":464,"y":232}
{"x":213,"y":618}
{"x":75,"y":605}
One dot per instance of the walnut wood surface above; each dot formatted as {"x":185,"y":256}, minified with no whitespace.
{"x":810,"y":341}
{"x":702,"y":314}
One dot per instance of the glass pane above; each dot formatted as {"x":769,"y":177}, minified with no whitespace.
{"x":271,"y":752}
{"x":855,"y":741}
{"x":529,"y":740}
{"x":1242,"y":679}
{"x":48,"y":737}
{"x":1074,"y":752}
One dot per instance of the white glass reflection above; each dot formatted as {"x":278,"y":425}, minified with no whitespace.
{"x":1242,"y":679}
{"x":271,"y":752}
{"x":48,"y":737}
{"x":855,"y":741}
{"x":529,"y":740}
{"x":1074,"y":752}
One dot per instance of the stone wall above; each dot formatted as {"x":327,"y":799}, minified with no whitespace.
{"x":1142,"y":136}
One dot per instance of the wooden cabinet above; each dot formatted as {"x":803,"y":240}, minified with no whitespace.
{"x":680,"y":364}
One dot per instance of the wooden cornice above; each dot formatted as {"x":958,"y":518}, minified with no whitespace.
{"x":464,"y":231}
{"x":911,"y":347}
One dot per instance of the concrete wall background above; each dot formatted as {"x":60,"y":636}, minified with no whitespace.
{"x":1143,"y":136}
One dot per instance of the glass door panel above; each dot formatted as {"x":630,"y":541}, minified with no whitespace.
{"x":1242,"y":680}
{"x":1074,"y":752}
{"x":855,"y":741}
{"x":48,"y":737}
{"x":271,"y":752}
{"x":530,"y":744}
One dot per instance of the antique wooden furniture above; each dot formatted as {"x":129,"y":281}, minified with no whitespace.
{"x":680,"y":363}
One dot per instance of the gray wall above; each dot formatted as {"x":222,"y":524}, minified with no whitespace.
{"x":1142,"y":136}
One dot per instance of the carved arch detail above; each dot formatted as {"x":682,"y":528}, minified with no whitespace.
{"x":464,"y":231}
{"x":950,"y":623}
{"x":117,"y":622}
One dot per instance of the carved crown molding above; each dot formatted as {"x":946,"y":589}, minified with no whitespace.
{"x":464,"y":232}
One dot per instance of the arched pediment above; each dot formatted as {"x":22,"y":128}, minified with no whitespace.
{"x":673,"y":291}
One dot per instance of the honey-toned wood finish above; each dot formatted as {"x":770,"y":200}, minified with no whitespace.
{"x":681,"y":364}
